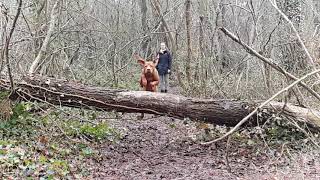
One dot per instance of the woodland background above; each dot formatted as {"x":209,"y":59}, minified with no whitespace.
{"x":93,"y":42}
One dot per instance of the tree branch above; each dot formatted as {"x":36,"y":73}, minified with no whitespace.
{"x":234,"y":129}
{"x":274,"y":4}
{"x":268,"y":61}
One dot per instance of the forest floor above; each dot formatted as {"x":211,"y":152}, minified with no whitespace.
{"x":167,"y":148}
{"x":163,"y":148}
{"x":63,"y":144}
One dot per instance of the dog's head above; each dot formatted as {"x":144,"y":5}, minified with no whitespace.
{"x":148,"y":66}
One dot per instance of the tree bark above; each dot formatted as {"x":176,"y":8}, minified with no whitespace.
{"x":221,"y":112}
{"x":203,"y":18}
{"x":189,"y":46}
{"x":144,"y":25}
{"x":4,"y":22}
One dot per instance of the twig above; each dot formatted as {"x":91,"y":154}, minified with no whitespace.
{"x":234,"y":129}
{"x":268,"y":61}
{"x":263,"y":49}
{"x":6,"y":48}
{"x":312,"y":139}
{"x":142,"y":158}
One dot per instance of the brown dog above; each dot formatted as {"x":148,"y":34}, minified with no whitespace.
{"x":149,"y":79}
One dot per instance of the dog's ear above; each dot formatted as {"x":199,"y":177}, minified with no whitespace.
{"x":139,"y":59}
{"x":141,"y":62}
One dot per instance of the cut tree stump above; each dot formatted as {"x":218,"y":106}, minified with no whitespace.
{"x":221,"y":112}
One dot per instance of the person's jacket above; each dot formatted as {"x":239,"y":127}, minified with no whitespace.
{"x":164,"y":62}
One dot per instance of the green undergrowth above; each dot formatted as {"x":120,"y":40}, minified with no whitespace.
{"x":46,"y":143}
{"x":274,"y":135}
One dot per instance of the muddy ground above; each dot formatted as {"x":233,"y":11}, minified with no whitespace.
{"x":165,"y":148}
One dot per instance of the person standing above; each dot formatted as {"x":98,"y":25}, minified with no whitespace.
{"x":163,"y":65}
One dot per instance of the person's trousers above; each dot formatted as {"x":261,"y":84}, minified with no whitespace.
{"x":164,"y":82}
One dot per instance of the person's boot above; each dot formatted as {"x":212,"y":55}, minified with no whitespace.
{"x":165,"y":91}
{"x":162,"y":91}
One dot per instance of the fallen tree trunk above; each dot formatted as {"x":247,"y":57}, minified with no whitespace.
{"x":221,"y":112}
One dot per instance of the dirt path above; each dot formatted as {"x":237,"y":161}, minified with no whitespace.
{"x":162,"y":148}
{"x":165,"y":148}
{"x":155,"y":149}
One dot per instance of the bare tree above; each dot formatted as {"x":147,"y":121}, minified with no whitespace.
{"x":144,"y":24}
{"x":93,"y":41}
{"x":7,"y":43}
{"x":189,"y":39}
{"x":4,"y":23}
{"x":44,"y":47}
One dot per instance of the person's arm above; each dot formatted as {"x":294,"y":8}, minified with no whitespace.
{"x":157,"y":59}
